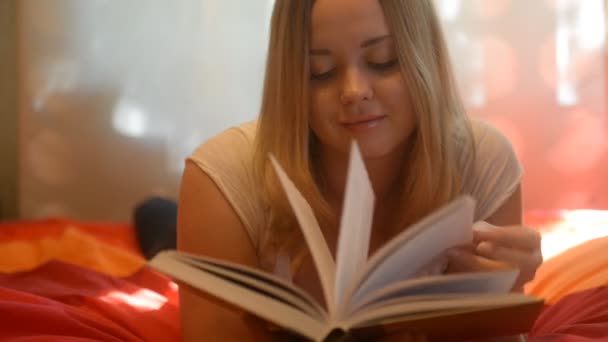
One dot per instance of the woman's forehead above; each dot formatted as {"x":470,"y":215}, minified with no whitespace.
{"x":336,"y":20}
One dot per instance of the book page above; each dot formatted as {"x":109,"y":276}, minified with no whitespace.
{"x":241,"y":296}
{"x":417,"y":246}
{"x":439,"y":285}
{"x":355,"y":225}
{"x":256,"y":279}
{"x":321,"y":255}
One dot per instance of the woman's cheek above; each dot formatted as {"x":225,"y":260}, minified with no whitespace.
{"x":322,"y":100}
{"x":393,"y":92}
{"x":322,"y":105}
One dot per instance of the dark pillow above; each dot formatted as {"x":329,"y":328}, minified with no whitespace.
{"x":155,"y":225}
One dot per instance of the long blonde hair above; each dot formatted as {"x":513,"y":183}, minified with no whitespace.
{"x":441,"y":139}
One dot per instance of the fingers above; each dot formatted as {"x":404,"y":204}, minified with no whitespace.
{"x":527,"y":262}
{"x":516,"y":237}
{"x":508,"y":255}
{"x":465,"y":261}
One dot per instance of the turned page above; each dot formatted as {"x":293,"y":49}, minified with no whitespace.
{"x":416,"y":247}
{"x":355,"y":225}
{"x":235,"y":293}
{"x":321,"y":255}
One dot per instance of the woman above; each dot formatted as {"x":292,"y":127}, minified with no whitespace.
{"x":376,"y":71}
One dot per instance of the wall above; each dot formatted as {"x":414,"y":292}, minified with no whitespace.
{"x":535,"y":69}
{"x":116,"y":96}
{"x":8,"y":109}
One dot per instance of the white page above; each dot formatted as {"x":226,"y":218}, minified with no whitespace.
{"x":417,"y":246}
{"x":452,"y":284}
{"x":321,"y":255}
{"x":254,"y":302}
{"x":258,"y":280}
{"x":355,"y":225}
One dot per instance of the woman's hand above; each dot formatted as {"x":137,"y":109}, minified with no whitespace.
{"x":499,"y":247}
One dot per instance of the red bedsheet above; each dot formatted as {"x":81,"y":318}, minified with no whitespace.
{"x":64,"y":302}
{"x":61,"y":301}
{"x":579,"y":317}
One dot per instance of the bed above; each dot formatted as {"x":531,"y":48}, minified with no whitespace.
{"x":62,"y":280}
{"x":70,"y":281}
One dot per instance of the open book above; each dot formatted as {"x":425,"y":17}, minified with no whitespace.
{"x":366,"y":296}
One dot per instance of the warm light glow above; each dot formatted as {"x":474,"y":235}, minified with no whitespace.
{"x":129,"y":119}
{"x":566,"y":92}
{"x":490,"y":9}
{"x":173,"y":287}
{"x":501,"y":71}
{"x":577,"y":227}
{"x":590,"y":25}
{"x":580,"y":31}
{"x":449,"y":10}
{"x":144,"y":300}
{"x":582,"y":143}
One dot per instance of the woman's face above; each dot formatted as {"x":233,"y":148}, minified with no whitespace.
{"x":357,"y":88}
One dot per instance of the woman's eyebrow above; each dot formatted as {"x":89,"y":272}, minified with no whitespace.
{"x":366,"y":43}
{"x":375,"y":40}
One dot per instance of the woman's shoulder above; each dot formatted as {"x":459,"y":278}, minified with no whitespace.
{"x":234,"y":141}
{"x":488,"y":147}
{"x":495,"y":172}
{"x":227,"y":159}
{"x":489,"y":138}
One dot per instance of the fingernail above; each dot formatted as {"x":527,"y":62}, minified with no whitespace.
{"x":484,"y":247}
{"x":482,"y":226}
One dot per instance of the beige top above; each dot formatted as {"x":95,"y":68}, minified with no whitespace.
{"x":227,"y":159}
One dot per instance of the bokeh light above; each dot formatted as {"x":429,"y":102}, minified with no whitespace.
{"x":488,"y":9}
{"x":581,"y":145}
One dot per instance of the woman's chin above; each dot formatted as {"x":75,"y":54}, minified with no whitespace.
{"x":370,"y":148}
{"x":376,"y":149}
{"x":374,"y":153}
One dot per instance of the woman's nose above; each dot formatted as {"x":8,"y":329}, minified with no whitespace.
{"x":356,"y":87}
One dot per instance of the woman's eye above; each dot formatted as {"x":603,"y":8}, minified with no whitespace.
{"x":383,"y":66}
{"x":322,"y":76}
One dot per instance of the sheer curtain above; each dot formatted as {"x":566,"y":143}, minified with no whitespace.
{"x":537,"y":71}
{"x":117,"y":94}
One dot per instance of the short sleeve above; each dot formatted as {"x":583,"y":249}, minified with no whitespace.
{"x":496,"y":171}
{"x":228,"y":160}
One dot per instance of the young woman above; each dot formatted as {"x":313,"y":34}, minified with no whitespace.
{"x":378,"y":72}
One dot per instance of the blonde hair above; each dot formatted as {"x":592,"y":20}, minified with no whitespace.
{"x":442,"y":136}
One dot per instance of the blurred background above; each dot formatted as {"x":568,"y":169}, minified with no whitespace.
{"x":101,"y":100}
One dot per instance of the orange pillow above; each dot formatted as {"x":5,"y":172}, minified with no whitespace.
{"x":108,"y":249}
{"x":115,"y":234}
{"x":577,"y":269}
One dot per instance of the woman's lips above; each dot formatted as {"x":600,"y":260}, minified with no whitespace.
{"x":363,"y":124}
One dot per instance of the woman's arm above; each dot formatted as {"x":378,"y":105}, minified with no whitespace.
{"x":510,"y":213}
{"x":208,"y":225}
